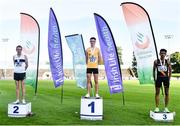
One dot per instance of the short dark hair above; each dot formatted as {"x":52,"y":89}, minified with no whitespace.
{"x":163,"y":50}
{"x":93,"y":38}
{"x":19,"y":46}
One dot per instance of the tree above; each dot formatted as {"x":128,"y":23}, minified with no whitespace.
{"x":119,"y":50}
{"x":134,"y":65}
{"x":175,"y":62}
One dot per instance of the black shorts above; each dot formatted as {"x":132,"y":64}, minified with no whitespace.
{"x":164,"y":80}
{"x":19,"y":76}
{"x":92,"y":70}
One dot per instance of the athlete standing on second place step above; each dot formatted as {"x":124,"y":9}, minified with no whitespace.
{"x":20,"y":66}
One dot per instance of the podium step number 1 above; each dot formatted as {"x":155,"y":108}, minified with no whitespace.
{"x":91,"y":108}
{"x":19,"y":110}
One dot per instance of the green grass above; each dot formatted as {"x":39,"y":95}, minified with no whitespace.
{"x":49,"y":110}
{"x":175,"y":75}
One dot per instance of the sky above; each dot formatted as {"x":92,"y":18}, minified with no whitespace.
{"x":76,"y":17}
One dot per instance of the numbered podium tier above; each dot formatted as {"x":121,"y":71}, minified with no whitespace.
{"x":19,"y":110}
{"x":161,"y":116}
{"x":91,"y":108}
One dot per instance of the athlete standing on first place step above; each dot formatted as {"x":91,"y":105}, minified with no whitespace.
{"x":93,"y":58}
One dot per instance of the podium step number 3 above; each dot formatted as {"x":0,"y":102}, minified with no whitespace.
{"x":91,"y":109}
{"x":164,"y":117}
{"x":19,"y":110}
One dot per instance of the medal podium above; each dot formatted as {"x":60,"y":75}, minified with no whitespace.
{"x":91,"y":108}
{"x":19,"y":110}
{"x":162,"y":116}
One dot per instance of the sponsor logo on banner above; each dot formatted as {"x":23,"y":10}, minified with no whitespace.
{"x":29,"y":47}
{"x":142,"y":41}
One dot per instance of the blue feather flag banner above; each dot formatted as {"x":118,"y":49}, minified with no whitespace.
{"x":76,"y":45}
{"x":110,"y":55}
{"x":55,"y":50}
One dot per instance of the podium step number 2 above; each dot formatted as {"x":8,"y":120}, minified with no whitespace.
{"x":19,"y":110}
{"x":91,"y":109}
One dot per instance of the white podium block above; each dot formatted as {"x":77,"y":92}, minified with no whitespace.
{"x":91,"y":108}
{"x":162,"y":116}
{"x":19,"y":110}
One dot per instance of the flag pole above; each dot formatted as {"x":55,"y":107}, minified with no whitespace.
{"x":62,"y":94}
{"x":123,"y":98}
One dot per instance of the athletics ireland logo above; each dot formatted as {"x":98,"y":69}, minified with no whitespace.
{"x":142,"y":41}
{"x":29,"y":48}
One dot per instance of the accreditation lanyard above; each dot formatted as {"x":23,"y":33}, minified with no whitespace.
{"x":162,"y":62}
{"x":93,"y":50}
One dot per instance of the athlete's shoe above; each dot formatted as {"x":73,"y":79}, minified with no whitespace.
{"x":23,"y":101}
{"x":156,"y":109}
{"x":166,"y":110}
{"x":16,"y":102}
{"x":87,"y":96}
{"x":97,"y":96}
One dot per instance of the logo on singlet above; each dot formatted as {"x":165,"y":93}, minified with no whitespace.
{"x":92,"y":58}
{"x":162,"y":68}
{"x":18,"y":63}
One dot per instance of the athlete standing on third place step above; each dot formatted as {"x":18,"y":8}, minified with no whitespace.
{"x":163,"y":68}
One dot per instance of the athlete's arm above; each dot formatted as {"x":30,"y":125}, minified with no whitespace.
{"x":99,"y":57}
{"x":86,"y":57}
{"x":26,"y":62}
{"x":170,"y":70}
{"x":13,"y":60}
